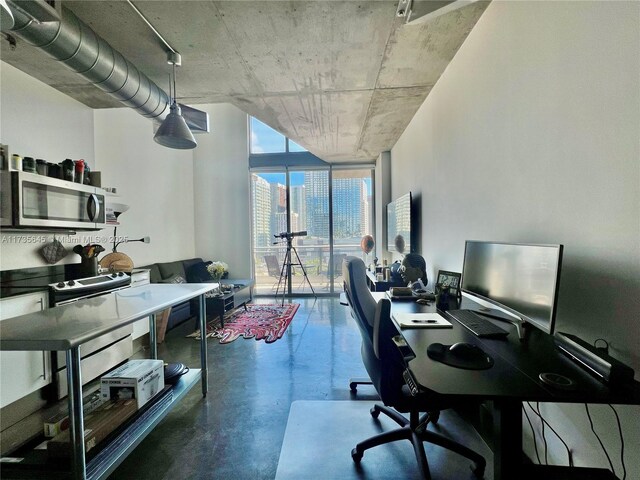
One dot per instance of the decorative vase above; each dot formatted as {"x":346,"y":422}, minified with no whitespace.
{"x":218,"y":290}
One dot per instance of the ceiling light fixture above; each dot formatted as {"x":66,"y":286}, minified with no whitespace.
{"x":174,"y":132}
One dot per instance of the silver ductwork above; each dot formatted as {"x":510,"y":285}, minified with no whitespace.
{"x":77,"y":46}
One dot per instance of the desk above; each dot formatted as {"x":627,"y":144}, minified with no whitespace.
{"x":512,"y":380}
{"x":382,"y":285}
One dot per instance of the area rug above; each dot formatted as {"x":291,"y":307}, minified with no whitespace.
{"x":262,"y":322}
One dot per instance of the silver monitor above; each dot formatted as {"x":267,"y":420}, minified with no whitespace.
{"x":522,"y":279}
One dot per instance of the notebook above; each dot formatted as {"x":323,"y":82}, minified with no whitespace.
{"x":421,"y":320}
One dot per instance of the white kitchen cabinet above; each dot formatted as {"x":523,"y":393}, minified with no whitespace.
{"x":23,"y":372}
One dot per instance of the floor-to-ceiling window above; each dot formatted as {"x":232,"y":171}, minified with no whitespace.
{"x":295,"y":192}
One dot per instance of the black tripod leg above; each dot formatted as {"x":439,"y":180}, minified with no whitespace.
{"x":304,"y":272}
{"x":284,"y":264}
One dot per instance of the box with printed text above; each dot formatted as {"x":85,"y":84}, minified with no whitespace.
{"x":139,"y":379}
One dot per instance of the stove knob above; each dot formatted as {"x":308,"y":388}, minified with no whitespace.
{"x":71,"y":283}
{"x":60,"y":285}
{"x":113,"y":276}
{"x":121,"y":274}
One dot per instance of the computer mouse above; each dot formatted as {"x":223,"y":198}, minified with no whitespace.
{"x":467,"y":351}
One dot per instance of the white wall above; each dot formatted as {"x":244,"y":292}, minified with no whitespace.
{"x":383,"y":197}
{"x":221,"y":188}
{"x":40,"y":122}
{"x":155,"y":181}
{"x":531,"y":135}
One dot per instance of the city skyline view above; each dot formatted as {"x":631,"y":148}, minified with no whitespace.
{"x":309,"y":205}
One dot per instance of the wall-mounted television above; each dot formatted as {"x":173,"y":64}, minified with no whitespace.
{"x":400,"y":223}
{"x":522,"y":279}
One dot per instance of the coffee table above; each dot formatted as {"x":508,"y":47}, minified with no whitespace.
{"x":240,"y":295}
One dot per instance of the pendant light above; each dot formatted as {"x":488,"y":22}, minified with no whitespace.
{"x":174,"y":132}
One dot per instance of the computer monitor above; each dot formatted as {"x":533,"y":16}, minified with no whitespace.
{"x":522,"y":279}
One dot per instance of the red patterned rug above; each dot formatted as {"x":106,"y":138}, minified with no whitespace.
{"x":262,"y":322}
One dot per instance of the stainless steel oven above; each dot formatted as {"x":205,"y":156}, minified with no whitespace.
{"x":29,"y":200}
{"x":98,"y":355}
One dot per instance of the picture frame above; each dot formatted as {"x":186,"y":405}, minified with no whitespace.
{"x":449,"y":280}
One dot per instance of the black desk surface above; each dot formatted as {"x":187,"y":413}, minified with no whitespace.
{"x":516,"y":369}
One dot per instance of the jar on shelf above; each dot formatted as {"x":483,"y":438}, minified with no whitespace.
{"x":28,"y":165}
{"x":16,"y":162}
{"x":42,"y":167}
{"x":79,"y":171}
{"x":68,"y":170}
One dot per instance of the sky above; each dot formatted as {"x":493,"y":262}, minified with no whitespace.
{"x":265,"y":139}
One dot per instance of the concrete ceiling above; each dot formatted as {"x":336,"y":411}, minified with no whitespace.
{"x":342,"y":79}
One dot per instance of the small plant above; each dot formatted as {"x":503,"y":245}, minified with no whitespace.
{"x":217,"y":269}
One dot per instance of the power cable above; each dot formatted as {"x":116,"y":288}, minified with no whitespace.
{"x":544,"y":439}
{"x":533,"y":432}
{"x":586,"y":406}
{"x":624,"y":468}
{"x":569,"y":454}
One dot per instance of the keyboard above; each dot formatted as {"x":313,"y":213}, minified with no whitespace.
{"x":477,"y":325}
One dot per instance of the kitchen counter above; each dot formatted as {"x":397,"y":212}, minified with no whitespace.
{"x":68,"y":326}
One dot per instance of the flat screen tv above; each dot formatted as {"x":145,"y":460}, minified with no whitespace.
{"x":399,"y":225}
{"x":521,"y":279}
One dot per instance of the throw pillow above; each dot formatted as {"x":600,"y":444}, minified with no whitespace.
{"x":198,"y":273}
{"x":174,"y":279}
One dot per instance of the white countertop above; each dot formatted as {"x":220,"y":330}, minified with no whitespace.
{"x":67,"y":326}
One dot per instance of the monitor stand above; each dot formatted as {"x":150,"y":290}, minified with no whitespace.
{"x":503,"y":317}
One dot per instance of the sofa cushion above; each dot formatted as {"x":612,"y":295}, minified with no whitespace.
{"x":190,"y":262}
{"x":174,"y":279}
{"x":198,"y":272}
{"x":170,"y":269}
{"x":154,"y":273}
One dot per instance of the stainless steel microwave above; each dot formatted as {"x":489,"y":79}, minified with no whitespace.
{"x":32,"y":201}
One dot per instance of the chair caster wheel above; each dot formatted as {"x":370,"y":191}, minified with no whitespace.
{"x":356,"y":456}
{"x":375,"y":413}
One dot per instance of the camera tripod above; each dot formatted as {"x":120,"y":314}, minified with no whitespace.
{"x":286,"y":272}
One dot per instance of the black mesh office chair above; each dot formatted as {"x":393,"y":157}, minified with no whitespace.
{"x":385,"y":365}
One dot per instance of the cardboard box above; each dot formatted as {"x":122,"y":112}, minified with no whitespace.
{"x":138,"y":379}
{"x":97,"y":426}
{"x":60,"y":422}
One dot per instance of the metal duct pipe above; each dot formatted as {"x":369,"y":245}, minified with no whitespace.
{"x":78,"y":47}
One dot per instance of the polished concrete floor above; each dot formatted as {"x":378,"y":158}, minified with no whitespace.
{"x":237,"y":431}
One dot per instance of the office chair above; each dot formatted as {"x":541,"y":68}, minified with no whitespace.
{"x":385,"y":364}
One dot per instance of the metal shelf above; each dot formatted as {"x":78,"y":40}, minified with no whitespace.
{"x":107,"y":460}
{"x":39,"y":465}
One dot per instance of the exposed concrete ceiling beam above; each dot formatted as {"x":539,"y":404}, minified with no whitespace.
{"x":342,"y":79}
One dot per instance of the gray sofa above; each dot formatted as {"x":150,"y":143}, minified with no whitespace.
{"x":167,"y":272}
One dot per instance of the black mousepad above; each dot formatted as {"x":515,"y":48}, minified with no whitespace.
{"x":441,"y":353}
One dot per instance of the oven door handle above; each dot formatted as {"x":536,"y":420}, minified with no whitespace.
{"x":89,"y":295}
{"x":93,"y":207}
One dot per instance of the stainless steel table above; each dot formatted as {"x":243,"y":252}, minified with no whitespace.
{"x":67,"y":327}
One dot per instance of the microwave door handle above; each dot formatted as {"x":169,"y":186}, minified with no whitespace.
{"x":93,"y":207}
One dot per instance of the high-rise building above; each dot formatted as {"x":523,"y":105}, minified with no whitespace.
{"x":349,"y":207}
{"x":261,"y":200}
{"x":299,"y":205}
{"x":316,"y":185}
{"x":278,"y":207}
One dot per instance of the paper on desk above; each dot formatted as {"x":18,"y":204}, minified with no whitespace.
{"x":421,"y":320}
